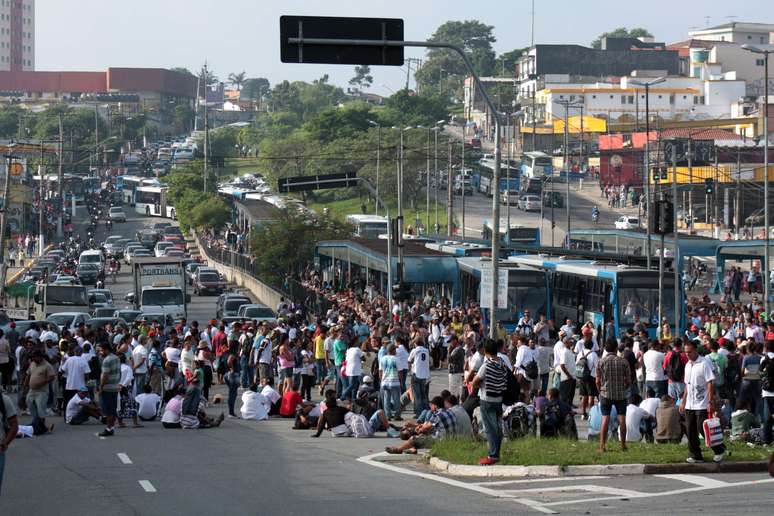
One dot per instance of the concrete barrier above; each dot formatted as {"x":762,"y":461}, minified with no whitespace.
{"x":262,"y":292}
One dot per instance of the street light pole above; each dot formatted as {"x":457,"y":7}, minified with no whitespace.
{"x":766,"y":221}
{"x":378,"y":156}
{"x":4,"y":222}
{"x":646,"y":175}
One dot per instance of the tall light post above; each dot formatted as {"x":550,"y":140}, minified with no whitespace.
{"x":378,"y":156}
{"x":766,"y":221}
{"x":646,"y":175}
{"x":565,"y":161}
{"x":514,"y":115}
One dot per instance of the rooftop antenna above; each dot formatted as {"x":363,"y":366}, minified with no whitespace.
{"x":532,"y":13}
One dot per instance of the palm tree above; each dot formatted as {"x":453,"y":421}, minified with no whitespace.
{"x":237,"y":79}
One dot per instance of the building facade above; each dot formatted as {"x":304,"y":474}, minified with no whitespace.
{"x":17,"y":35}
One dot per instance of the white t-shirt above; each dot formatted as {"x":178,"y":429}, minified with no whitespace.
{"x":187,"y":360}
{"x":354,"y":365}
{"x":140,"y":354}
{"x":650,"y":405}
{"x":402,"y":358}
{"x":420,"y":362}
{"x":580,"y":346}
{"x":568,"y":361}
{"x":475,"y":362}
{"x":524,"y":355}
{"x":148,"y":404}
{"x":653,"y":361}
{"x":270,"y":394}
{"x":126,"y":375}
{"x":697,"y":375}
{"x":172,"y":354}
{"x":592,"y":359}
{"x":75,"y":369}
{"x":558,"y":350}
{"x":48,"y":335}
{"x":74,"y":406}
{"x":634,"y":415}
{"x":255,"y":406}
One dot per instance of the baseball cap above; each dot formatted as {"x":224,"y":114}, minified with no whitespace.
{"x":83,"y":389}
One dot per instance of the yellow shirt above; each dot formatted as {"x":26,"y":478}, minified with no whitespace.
{"x":457,"y":327}
{"x":319,"y":347}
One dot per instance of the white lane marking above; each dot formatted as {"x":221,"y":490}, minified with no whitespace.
{"x":666,"y":493}
{"x":124,"y":458}
{"x":145,"y":484}
{"x":369,"y":459}
{"x":696,"y":480}
{"x":533,"y":480}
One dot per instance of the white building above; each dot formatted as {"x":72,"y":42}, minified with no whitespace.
{"x":678,"y":98}
{"x":17,"y":35}
{"x":737,"y":32}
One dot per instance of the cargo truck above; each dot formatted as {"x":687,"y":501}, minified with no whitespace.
{"x":160,"y":286}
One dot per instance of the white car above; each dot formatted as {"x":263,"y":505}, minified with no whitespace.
{"x":529,"y":203}
{"x":117,"y":214}
{"x":161,"y":247}
{"x":627,"y":223}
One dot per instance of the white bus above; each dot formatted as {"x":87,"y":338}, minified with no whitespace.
{"x":368,"y":226}
{"x":152,"y":200}
{"x":536,"y":164}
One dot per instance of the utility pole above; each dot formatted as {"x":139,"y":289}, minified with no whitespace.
{"x":4,"y":222}
{"x":738,"y":210}
{"x":205,"y":170}
{"x":96,"y":138}
{"x":41,"y":194}
{"x":676,"y":257}
{"x":462,"y":183}
{"x":427,"y":177}
{"x":378,"y":159}
{"x":690,"y":190}
{"x":437,"y":182}
{"x":449,"y":196}
{"x":60,"y":177}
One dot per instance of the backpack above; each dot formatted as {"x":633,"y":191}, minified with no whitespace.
{"x":675,"y":369}
{"x":583,"y":362}
{"x":552,"y":419}
{"x":733,"y":369}
{"x":512,"y":388}
{"x":767,"y":374}
{"x":531,"y":370}
{"x":359,"y":426}
{"x":519,"y":422}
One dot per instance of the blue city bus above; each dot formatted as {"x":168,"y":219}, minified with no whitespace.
{"x":612,"y":296}
{"x":519,"y":235}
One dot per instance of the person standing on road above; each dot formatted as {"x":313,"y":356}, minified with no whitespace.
{"x":613,"y":380}
{"x":9,"y":427}
{"x":767,"y":390}
{"x":39,"y":375}
{"x":109,"y":386}
{"x":697,"y":398}
{"x":140,"y":365}
{"x":419,"y":358}
{"x":567,"y":372}
{"x":492,"y":380}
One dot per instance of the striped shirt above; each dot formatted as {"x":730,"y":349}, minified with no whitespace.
{"x":444,"y":424}
{"x":493,"y":380}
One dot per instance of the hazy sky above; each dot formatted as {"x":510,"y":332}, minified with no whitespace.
{"x":241,"y":35}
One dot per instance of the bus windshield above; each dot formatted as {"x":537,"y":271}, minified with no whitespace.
{"x":642,"y":303}
{"x":159,"y":297}
{"x":65,"y":295}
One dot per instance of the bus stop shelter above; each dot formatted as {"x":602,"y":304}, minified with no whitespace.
{"x":737,"y":250}
{"x":635,"y":242}
{"x":364,"y":261}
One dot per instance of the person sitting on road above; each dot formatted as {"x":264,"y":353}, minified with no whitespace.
{"x":271,"y":395}
{"x":172,"y":411}
{"x":668,"y":426}
{"x":255,"y":406}
{"x":192,"y":413}
{"x":745,"y":426}
{"x":332,"y":416}
{"x":80,"y":408}
{"x":443,"y":424}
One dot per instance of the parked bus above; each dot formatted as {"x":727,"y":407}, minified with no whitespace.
{"x":518,"y":235}
{"x":368,"y":226}
{"x":536,"y":164}
{"x":613,"y":297}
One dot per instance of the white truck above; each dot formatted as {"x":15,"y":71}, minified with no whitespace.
{"x":160,"y":287}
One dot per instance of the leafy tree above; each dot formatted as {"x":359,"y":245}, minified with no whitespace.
{"x":474,"y":37}
{"x":256,"y":88}
{"x":404,"y":108}
{"x":184,"y":116}
{"x":10,"y":117}
{"x":180,"y":69}
{"x":211,"y":211}
{"x":335,"y":123}
{"x":506,"y":62}
{"x":287,"y":245}
{"x":621,"y":32}
{"x":362,"y":78}
{"x":237,"y":79}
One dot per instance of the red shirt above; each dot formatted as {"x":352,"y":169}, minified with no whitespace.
{"x":219,"y":341}
{"x":665,"y":364}
{"x":289,"y":401}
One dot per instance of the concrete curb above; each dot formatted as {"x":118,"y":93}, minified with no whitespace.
{"x":20,"y":273}
{"x":594,"y":469}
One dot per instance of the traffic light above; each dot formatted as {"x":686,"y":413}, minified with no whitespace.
{"x":666,"y":217}
{"x":709,"y":186}
{"x":664,"y":173}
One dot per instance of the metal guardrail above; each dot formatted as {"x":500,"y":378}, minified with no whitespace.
{"x":291,"y":289}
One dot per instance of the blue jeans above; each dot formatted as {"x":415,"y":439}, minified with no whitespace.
{"x":658,"y":386}
{"x":491,"y":413}
{"x":232,"y":380}
{"x":139,"y":383}
{"x":320,"y":371}
{"x":353,"y":383}
{"x":391,"y":401}
{"x":340,"y":385}
{"x":676,"y":390}
{"x":418,"y":388}
{"x":247,"y":372}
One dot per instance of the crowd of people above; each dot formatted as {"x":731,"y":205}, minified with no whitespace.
{"x":354,"y":368}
